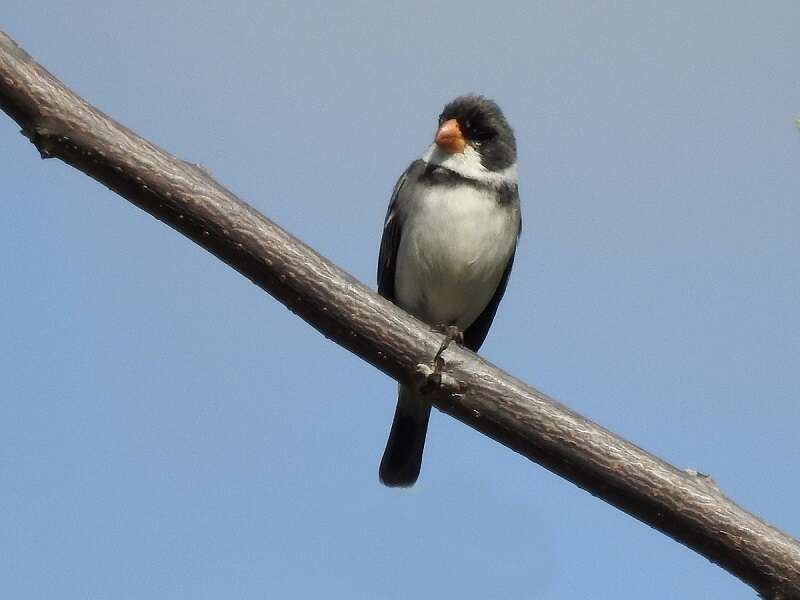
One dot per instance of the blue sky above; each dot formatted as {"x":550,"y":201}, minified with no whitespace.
{"x":170,"y":431}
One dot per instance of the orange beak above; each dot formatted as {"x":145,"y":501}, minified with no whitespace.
{"x":449,"y":137}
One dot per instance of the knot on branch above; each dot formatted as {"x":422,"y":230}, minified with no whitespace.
{"x":45,"y":135}
{"x":431,"y":380}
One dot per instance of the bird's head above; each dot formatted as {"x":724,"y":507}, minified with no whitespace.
{"x":474,"y":139}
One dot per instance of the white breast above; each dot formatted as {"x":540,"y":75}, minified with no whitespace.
{"x":455,"y":245}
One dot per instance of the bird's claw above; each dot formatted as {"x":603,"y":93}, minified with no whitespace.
{"x":438,"y":364}
{"x":435,"y":378}
{"x":451,"y":334}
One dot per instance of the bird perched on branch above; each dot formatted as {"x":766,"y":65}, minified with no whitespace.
{"x":448,"y":245}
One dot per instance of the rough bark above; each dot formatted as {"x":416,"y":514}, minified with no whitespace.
{"x":685,"y":505}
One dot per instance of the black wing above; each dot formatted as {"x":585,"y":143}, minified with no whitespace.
{"x":390,"y":241}
{"x":476,"y":333}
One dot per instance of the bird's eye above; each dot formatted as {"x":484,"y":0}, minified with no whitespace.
{"x":467,"y":124}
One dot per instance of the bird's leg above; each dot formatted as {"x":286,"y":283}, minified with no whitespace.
{"x":451,"y":333}
{"x":434,"y":379}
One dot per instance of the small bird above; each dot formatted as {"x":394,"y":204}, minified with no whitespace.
{"x":448,"y":245}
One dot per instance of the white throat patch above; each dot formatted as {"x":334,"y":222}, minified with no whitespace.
{"x":468,"y":165}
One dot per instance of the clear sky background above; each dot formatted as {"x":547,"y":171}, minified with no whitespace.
{"x":167,"y":430}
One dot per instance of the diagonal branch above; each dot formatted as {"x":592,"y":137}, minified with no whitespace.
{"x":684,"y":505}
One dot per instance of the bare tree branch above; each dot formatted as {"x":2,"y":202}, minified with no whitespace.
{"x":685,"y":505}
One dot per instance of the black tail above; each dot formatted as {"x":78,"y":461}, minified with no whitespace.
{"x":402,"y":458}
